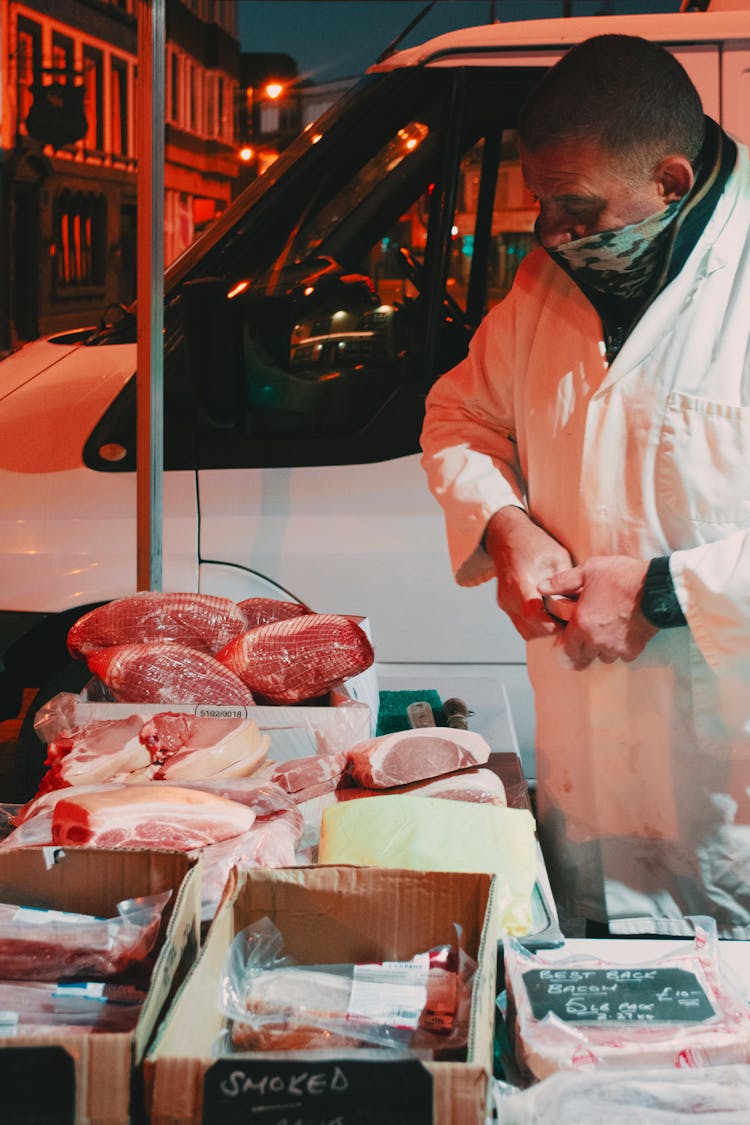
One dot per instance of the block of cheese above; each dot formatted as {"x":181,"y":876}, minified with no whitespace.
{"x":429,"y":834}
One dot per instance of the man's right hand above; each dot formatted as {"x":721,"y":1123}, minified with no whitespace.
{"x":524,"y":555}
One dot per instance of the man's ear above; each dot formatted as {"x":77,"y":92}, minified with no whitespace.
{"x":675,"y":177}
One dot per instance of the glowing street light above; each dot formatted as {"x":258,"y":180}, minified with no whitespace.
{"x":274,"y":90}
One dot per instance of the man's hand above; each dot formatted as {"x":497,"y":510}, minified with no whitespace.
{"x":524,"y":556}
{"x":605,"y":622}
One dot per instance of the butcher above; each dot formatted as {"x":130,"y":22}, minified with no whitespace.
{"x":592,"y":456}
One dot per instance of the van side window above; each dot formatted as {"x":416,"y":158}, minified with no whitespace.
{"x":312,"y":334}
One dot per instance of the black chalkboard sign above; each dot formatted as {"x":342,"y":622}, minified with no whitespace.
{"x":37,"y":1086}
{"x":618,"y":995}
{"x":310,"y":1091}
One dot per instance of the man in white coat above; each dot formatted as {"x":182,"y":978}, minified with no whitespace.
{"x":592,"y":454}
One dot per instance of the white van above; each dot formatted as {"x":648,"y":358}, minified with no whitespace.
{"x":302,"y":332}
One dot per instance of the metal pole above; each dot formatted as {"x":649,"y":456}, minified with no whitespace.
{"x":150,"y":291}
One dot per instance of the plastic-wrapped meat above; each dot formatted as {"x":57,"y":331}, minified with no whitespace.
{"x":263,"y":796}
{"x":271,"y":842}
{"x":414,"y":755}
{"x":94,"y":753}
{"x":54,"y":944}
{"x":43,"y":1006}
{"x":719,"y":1095}
{"x":313,"y":771}
{"x":167,"y":673}
{"x":142,"y":816}
{"x":479,"y":785}
{"x":200,"y":621}
{"x":304,"y":657}
{"x":263,"y":611}
{"x":205,"y":746}
{"x":606,"y":1013}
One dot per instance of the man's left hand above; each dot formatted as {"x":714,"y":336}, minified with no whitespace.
{"x":604,"y":621}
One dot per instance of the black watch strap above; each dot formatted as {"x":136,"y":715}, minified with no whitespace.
{"x":659,"y":601}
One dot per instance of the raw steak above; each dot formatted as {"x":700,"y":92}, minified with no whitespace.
{"x":200,"y":621}
{"x":94,"y":753}
{"x":156,"y":672}
{"x":304,"y":657}
{"x":263,"y":611}
{"x":141,"y":816}
{"x":480,"y":785}
{"x":314,"y":770}
{"x":204,"y":747}
{"x":414,"y":755}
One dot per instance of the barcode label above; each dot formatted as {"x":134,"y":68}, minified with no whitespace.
{"x":393,"y":994}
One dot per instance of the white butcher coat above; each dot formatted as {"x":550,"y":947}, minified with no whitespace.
{"x":643,"y":768}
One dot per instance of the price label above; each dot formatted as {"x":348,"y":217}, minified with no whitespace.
{"x":618,"y":995}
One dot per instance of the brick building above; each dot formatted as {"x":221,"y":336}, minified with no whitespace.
{"x":68,"y":144}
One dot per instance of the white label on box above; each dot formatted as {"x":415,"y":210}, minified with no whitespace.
{"x":8,"y":1022}
{"x":52,"y":855}
{"x":393,"y":994}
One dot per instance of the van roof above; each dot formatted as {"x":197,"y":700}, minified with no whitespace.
{"x":476,"y":46}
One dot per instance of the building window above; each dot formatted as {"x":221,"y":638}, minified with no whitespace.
{"x":29,"y":62}
{"x":119,"y":120}
{"x":173,"y":108}
{"x":93,"y":80}
{"x":63,"y":71}
{"x":78,"y":249}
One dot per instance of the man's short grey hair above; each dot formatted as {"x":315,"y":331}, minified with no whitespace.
{"x":628,"y":95}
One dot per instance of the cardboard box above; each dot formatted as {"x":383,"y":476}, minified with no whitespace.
{"x":90,"y":1077}
{"x":329,"y":915}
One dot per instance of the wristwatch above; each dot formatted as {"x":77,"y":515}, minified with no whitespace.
{"x":659,"y":602}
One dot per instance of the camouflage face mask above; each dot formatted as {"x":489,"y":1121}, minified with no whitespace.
{"x":620,"y":262}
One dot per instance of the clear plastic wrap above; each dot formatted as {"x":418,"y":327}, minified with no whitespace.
{"x":298,"y":659}
{"x":271,"y":842}
{"x":202,"y":621}
{"x":680,"y":1009}
{"x":294,"y":731}
{"x":274,"y":1004}
{"x":263,"y":611}
{"x":53,"y":945}
{"x":718,"y":1095}
{"x":165,"y":672}
{"x":39,"y":1007}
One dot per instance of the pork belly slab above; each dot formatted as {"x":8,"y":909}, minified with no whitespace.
{"x":144,"y":816}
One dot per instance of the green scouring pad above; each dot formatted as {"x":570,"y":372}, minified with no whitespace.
{"x":392,"y":714}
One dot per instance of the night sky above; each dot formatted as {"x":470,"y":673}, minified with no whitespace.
{"x":341,"y":38}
